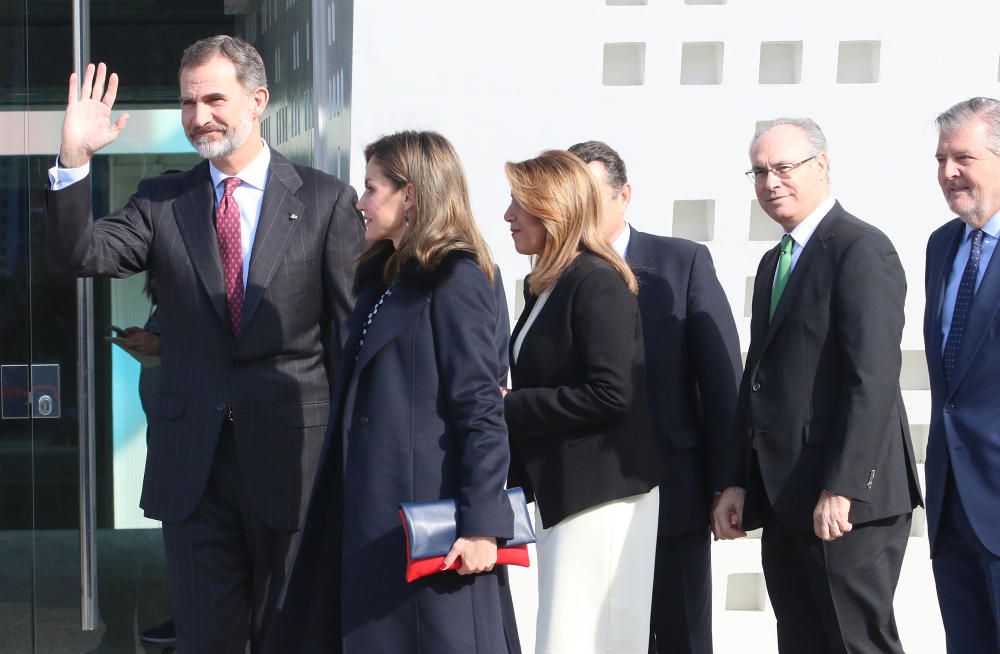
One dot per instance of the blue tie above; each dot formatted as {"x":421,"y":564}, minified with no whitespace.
{"x":966,"y":291}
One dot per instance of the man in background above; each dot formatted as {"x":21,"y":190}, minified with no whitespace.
{"x":962,"y":341}
{"x":693,"y":365}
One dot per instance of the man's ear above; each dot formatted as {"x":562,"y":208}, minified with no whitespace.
{"x":824,"y":166}
{"x":259,"y":99}
{"x":625,"y":195}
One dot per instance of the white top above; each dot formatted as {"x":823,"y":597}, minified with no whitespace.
{"x":535,"y":310}
{"x":249,"y":195}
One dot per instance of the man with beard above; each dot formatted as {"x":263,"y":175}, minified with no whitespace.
{"x":253,"y":257}
{"x":962,"y":340}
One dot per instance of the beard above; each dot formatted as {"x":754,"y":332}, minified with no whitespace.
{"x":972,"y":210}
{"x":233,"y":137}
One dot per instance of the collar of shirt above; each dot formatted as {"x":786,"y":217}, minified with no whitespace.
{"x":990,"y":229}
{"x":621,"y":243}
{"x":255,"y":174}
{"x":804,"y":230}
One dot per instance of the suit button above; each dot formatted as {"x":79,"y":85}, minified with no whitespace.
{"x":363,"y":421}
{"x":948,"y":408}
{"x":220,"y":408}
{"x":755,"y":387}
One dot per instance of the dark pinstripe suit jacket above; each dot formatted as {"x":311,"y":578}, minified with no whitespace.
{"x":277,"y":373}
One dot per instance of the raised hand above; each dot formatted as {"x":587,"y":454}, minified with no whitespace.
{"x":87,"y":126}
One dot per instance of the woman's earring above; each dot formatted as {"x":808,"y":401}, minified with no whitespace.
{"x":406,"y":216}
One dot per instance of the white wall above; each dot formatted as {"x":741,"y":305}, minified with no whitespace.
{"x":505,"y":80}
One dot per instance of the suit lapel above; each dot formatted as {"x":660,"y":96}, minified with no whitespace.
{"x":984,"y":309}
{"x":274,"y":229}
{"x":760,"y":305}
{"x":939,"y":265}
{"x":193,"y":214}
{"x":529,"y":302}
{"x":395,"y":315}
{"x":817,"y":243}
{"x":637,"y":254}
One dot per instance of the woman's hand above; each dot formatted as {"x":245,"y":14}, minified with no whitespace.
{"x":479,"y":554}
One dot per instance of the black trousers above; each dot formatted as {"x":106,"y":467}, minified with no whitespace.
{"x":225,"y":567}
{"x":834,"y":598}
{"x":682,"y":595}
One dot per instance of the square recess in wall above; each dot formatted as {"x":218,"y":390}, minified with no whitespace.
{"x":694,"y":219}
{"x":913,"y":374}
{"x":780,"y":62}
{"x":745,"y":592}
{"x":624,"y":64}
{"x":762,"y":228}
{"x":918,"y":437}
{"x":858,"y":62}
{"x":701,"y":63}
{"x":748,"y":297}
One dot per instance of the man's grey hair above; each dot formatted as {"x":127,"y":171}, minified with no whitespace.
{"x":815,"y":136}
{"x":249,"y":66}
{"x":986,"y":110}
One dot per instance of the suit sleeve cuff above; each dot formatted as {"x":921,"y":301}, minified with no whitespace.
{"x":60,"y":178}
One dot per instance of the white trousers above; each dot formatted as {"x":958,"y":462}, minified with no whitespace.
{"x":595,"y":578}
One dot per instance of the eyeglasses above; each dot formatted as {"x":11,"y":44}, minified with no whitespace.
{"x":781,"y":171}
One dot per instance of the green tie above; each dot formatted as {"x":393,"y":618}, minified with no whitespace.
{"x":784,"y":270}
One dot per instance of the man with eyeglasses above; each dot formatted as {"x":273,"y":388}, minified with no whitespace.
{"x":823,"y":456}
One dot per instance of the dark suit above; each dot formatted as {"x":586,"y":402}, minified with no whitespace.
{"x":417,"y":417}
{"x":963,"y":454}
{"x":245,"y":492}
{"x":820,"y":408}
{"x":578,"y":416}
{"x":692,"y":368}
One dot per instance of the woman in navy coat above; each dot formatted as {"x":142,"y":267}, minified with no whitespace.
{"x":417,"y":416}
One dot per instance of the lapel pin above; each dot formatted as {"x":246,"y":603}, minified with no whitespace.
{"x":293,"y":216}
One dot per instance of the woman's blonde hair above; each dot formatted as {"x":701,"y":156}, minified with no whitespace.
{"x":559,"y":189}
{"x":441,"y":220}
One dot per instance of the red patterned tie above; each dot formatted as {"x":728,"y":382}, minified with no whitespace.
{"x":227,"y":224}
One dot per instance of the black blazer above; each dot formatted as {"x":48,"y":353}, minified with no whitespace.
{"x":693,"y":372}
{"x":820,"y":400}
{"x":276,"y":374}
{"x":577,"y":413}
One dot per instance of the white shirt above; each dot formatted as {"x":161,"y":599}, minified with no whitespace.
{"x":249,"y":195}
{"x":535,"y":310}
{"x":804,"y":231}
{"x":621,"y":243}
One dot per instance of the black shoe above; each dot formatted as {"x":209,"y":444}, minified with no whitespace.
{"x":163,"y":634}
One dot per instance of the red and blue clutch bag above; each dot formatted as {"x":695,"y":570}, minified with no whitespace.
{"x":431,"y":529}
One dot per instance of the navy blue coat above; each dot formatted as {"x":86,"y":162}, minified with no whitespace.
{"x":693,"y":370}
{"x":965,"y":413}
{"x":418,"y":416}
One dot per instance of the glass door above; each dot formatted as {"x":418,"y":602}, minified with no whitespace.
{"x":69,"y":584}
